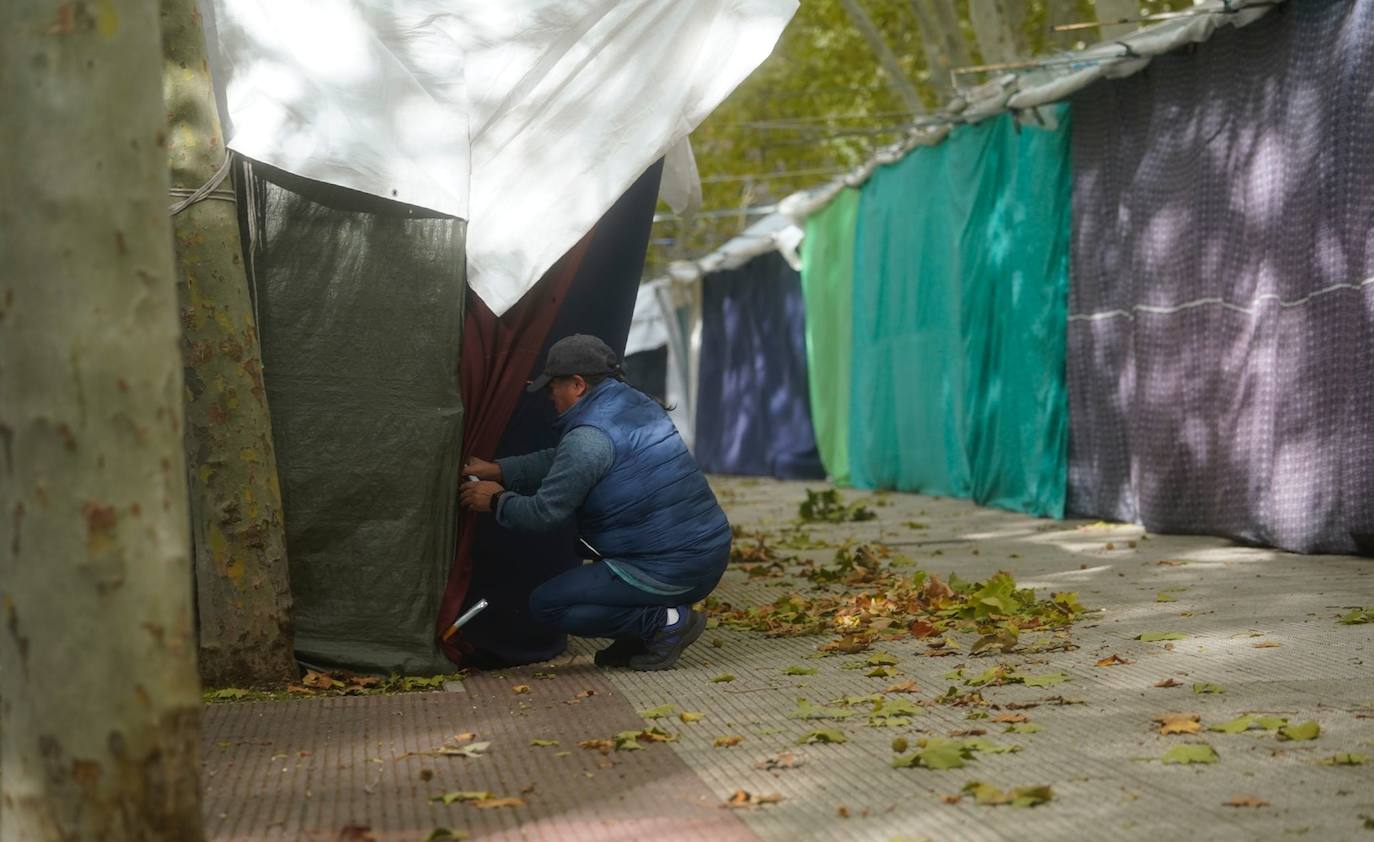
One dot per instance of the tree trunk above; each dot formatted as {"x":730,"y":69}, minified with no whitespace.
{"x":997,"y":25}
{"x":100,"y":705}
{"x":896,"y":76}
{"x":242,"y":588}
{"x":1115,"y":10}
{"x":943,"y":42}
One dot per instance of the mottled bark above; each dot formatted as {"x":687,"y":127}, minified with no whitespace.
{"x":943,"y":42}
{"x":242,"y":589}
{"x":998,"y":26}
{"x":896,"y":76}
{"x":1116,"y":10}
{"x":100,"y":705}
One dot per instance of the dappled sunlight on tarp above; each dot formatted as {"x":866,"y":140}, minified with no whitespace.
{"x":753,"y":410}
{"x":960,"y":273}
{"x":1221,"y":361}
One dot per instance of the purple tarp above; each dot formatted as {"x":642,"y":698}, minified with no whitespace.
{"x":1221,"y":353}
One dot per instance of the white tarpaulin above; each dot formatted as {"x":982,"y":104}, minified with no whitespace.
{"x":528,"y":118}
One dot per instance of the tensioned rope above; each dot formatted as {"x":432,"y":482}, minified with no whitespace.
{"x":208,"y":190}
{"x":1251,"y":309}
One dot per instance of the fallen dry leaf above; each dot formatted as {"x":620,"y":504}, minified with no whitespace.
{"x":1268,"y":644}
{"x":1171,"y":562}
{"x":520,"y":689}
{"x":908,"y":686}
{"x":1168,"y":682}
{"x":356,"y":833}
{"x":842,"y":811}
{"x":1114,"y":660}
{"x":1245,"y":801}
{"x":464,"y":736}
{"x":951,"y":799}
{"x":1178,"y":723}
{"x":786,"y":760}
{"x":727,"y":742}
{"x":492,"y":803}
{"x":1011,"y":717}
{"x":741,"y":798}
{"x":603,"y":746}
{"x":320,"y":680}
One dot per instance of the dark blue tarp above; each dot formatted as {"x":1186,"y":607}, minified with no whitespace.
{"x":508,"y":565}
{"x":753,"y":407}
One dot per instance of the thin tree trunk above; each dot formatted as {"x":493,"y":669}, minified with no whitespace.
{"x":101,"y":708}
{"x":896,"y":77}
{"x":242,"y":588}
{"x":997,"y":25}
{"x":1115,"y":10}
{"x":943,"y":42}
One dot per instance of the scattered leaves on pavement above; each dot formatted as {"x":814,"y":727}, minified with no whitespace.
{"x":741,"y":798}
{"x":827,"y":507}
{"x":727,"y":742}
{"x":1048,"y":679}
{"x":538,"y":743}
{"x":1345,"y":758}
{"x":1249,"y":721}
{"x":785,"y":760}
{"x":690,"y":715}
{"x":1022,"y":796}
{"x":1178,"y":723}
{"x":1304,"y":731}
{"x":821,"y":735}
{"x":1168,"y":682}
{"x":935,"y":753}
{"x":1245,"y":801}
{"x":1358,"y":616}
{"x":659,"y":712}
{"x":1185,"y":753}
{"x":520,"y":689}
{"x":794,"y":670}
{"x":722,"y":678}
{"x":1113,"y":661}
{"x":1153,"y":637}
{"x":1203,"y":687}
{"x":807,"y":710}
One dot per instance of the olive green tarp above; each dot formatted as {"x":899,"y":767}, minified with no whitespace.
{"x":360,"y":304}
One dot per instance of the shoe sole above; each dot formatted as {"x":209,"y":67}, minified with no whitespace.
{"x":693,"y":632}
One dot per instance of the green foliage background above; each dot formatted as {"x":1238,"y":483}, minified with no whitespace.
{"x":820,"y":105}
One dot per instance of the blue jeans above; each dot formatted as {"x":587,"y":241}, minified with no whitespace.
{"x":591,"y":601}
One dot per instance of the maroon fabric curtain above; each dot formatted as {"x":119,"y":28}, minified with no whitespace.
{"x":497,"y":358}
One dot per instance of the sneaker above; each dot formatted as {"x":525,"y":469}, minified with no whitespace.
{"x":667,"y":644}
{"x":619,"y":652}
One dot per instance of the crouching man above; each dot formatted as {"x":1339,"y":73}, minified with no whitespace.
{"x":639,"y":500}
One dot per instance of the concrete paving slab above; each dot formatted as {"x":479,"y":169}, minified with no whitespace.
{"x":1259,"y":624}
{"x":308,"y":769}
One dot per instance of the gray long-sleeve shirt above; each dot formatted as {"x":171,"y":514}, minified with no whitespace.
{"x":548,"y":485}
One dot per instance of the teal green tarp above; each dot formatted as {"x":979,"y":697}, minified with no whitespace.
{"x":960,"y":284}
{"x":828,"y":284}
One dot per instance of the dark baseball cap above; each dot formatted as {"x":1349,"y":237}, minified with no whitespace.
{"x":576,"y":354}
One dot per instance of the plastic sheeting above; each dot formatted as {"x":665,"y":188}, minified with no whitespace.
{"x":754,"y":414}
{"x":960,"y":277}
{"x":523,"y":115}
{"x":1222,"y":329}
{"x":828,"y":283}
{"x":505,"y":566}
{"x":360,"y":307}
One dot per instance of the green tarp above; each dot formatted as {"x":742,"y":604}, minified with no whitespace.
{"x":828,"y":284}
{"x":960,"y":284}
{"x":360,"y":303}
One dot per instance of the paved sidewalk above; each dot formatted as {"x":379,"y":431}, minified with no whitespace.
{"x":1258,"y":625}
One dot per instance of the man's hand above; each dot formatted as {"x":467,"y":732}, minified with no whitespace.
{"x":477,"y":495}
{"x":482,"y":469}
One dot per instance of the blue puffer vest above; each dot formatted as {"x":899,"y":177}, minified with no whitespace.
{"x":653,"y":509}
